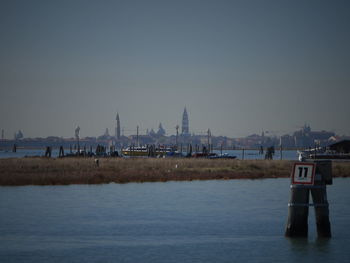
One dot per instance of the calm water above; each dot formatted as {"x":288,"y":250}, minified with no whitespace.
{"x":248,"y":154}
{"x":199,"y":221}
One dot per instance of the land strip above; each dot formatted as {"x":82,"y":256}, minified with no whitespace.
{"x":65,"y":171}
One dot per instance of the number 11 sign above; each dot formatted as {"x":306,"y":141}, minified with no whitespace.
{"x":303,"y":173}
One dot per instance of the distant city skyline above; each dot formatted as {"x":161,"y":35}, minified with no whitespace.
{"x":239,"y":67}
{"x":119,"y":130}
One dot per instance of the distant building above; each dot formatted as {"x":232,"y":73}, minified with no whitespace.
{"x":143,"y":139}
{"x":161,"y":131}
{"x":152,"y":133}
{"x":106,"y":133}
{"x":18,"y":135}
{"x":117,"y":128}
{"x":307,"y":138}
{"x":287,"y":141}
{"x":106,"y":139}
{"x":185,"y":123}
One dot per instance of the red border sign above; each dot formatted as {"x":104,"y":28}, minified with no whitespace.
{"x":303,"y":173}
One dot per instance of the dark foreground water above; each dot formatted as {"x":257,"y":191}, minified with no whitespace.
{"x":200,"y":221}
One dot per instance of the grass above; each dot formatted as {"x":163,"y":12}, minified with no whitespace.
{"x":57,"y":171}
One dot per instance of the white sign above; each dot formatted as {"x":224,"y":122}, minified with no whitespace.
{"x":303,"y":173}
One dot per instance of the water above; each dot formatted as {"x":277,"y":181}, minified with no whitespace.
{"x":199,"y":221}
{"x":254,"y":154}
{"x":248,"y":154}
{"x":26,"y":152}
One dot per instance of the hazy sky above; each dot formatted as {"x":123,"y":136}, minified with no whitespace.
{"x":238,"y":66}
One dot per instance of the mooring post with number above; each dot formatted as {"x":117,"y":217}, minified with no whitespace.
{"x":306,"y":177}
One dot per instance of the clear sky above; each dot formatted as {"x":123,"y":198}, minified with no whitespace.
{"x":239,"y":67}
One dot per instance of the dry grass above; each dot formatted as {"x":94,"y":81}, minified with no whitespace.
{"x":341,"y":169}
{"x":43,"y":171}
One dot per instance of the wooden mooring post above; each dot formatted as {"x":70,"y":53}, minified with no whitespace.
{"x":309,"y":177}
{"x":48,"y":151}
{"x":61,"y":152}
{"x":281,"y":152}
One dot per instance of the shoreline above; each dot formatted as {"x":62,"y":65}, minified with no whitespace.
{"x":66,"y":171}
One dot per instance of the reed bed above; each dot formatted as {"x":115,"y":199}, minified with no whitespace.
{"x":64,"y":171}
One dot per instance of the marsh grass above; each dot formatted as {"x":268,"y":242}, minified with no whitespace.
{"x":63,"y":171}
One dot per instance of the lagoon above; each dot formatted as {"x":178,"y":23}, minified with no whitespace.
{"x":198,"y":221}
{"x":248,"y":154}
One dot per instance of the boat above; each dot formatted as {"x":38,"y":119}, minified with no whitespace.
{"x":322,"y":153}
{"x":213,"y":155}
{"x":222,"y":156}
{"x":146,"y":151}
{"x":330,"y":156}
{"x":305,"y":154}
{"x":203,"y":155}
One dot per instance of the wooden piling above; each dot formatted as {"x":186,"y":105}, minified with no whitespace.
{"x":297,"y":225}
{"x":48,"y":151}
{"x":281,"y":157}
{"x":319,"y":197}
{"x":61,"y":152}
{"x":14,"y":148}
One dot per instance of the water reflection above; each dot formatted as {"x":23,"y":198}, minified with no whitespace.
{"x":323,"y":244}
{"x":304,"y":245}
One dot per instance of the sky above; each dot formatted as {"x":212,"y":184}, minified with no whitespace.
{"x":239,"y":67}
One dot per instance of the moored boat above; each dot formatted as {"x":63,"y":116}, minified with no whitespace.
{"x":222,"y":156}
{"x":331,"y":156}
{"x":146,"y":151}
{"x":322,"y":153}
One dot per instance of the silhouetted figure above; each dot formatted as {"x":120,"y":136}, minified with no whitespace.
{"x":204,"y":150}
{"x":261,"y":151}
{"x":269,"y":153}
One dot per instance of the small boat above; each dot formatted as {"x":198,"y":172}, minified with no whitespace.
{"x":174,"y":154}
{"x":223,"y":156}
{"x":213,"y":155}
{"x":203,"y":155}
